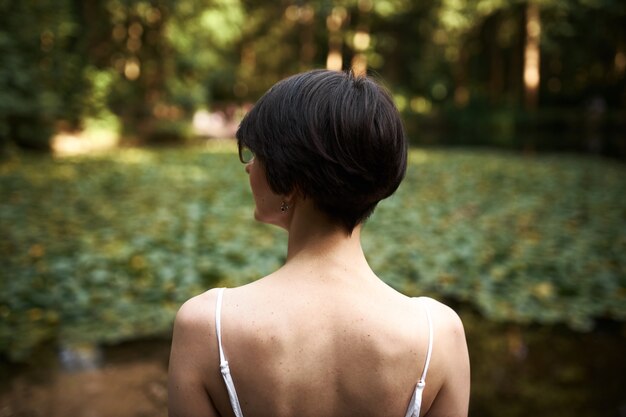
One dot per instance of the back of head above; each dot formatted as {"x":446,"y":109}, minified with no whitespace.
{"x":331,"y":136}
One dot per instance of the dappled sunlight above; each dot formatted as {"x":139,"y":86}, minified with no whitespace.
{"x":169,"y":71}
{"x":418,"y":156}
{"x":227,"y":146}
{"x":81,"y":143}
{"x":216,"y":124}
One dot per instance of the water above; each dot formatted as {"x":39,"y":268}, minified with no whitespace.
{"x":546,"y":370}
{"x":82,"y":357}
{"x":516,"y":371}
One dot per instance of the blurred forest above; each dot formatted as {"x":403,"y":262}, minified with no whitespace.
{"x":528,"y":75}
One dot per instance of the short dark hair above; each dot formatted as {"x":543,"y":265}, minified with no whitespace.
{"x":335,"y":137}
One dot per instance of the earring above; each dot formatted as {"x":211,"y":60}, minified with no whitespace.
{"x":284,"y":206}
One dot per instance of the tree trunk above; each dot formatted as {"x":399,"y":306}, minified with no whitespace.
{"x":531,"y":56}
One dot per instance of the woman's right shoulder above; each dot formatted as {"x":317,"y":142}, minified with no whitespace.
{"x":193,"y":358}
{"x":198,"y":311}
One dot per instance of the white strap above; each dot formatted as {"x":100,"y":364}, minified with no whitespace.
{"x":218,"y":325}
{"x":224,"y":368}
{"x":430,"y":345}
{"x":415,"y":404}
{"x":416,"y":400}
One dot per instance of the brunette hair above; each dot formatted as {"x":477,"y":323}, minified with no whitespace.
{"x":334,"y":137}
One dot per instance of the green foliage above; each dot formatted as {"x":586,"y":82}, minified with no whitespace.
{"x":537,"y":239}
{"x":106,"y":248}
{"x":155,"y":62}
{"x":168,"y":132}
{"x":40,"y":77}
{"x":204,"y":37}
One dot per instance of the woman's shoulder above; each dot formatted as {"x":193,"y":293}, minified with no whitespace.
{"x":450,"y":375}
{"x":198,"y":309}
{"x":195,"y":319}
{"x":194,"y":360}
{"x":448,"y":329}
{"x":443,"y":315}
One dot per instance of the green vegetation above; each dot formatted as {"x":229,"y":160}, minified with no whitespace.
{"x":105,"y":248}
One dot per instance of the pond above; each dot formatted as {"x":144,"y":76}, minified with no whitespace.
{"x":516,"y":371}
{"x":546,"y":370}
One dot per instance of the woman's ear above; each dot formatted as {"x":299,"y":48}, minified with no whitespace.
{"x":290,"y":200}
{"x":296,"y":195}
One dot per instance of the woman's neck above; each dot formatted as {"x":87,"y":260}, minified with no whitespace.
{"x":313,"y":238}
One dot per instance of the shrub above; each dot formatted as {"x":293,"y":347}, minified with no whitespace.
{"x":105,"y":248}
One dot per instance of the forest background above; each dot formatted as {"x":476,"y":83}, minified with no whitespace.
{"x":533,"y":75}
{"x":512,"y":210}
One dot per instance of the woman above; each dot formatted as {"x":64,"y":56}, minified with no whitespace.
{"x":323,"y":335}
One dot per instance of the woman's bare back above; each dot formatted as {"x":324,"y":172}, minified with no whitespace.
{"x":329,"y":346}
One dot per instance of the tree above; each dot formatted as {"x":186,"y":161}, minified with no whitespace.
{"x":41,"y":75}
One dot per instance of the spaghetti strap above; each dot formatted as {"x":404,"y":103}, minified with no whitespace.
{"x":218,"y":324}
{"x":224,"y":368}
{"x":416,"y":400}
{"x":430,"y":345}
